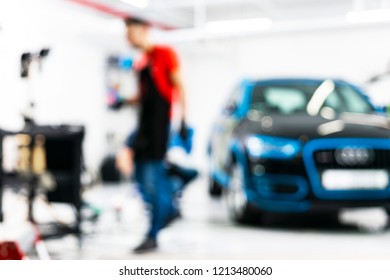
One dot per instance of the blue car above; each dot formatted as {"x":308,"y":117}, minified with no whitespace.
{"x":297,"y":146}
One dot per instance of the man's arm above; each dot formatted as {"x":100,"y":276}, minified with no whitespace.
{"x":177,"y":81}
{"x":133,"y":100}
{"x":117,"y":102}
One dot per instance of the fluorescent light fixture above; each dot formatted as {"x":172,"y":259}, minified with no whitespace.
{"x":331,"y":127}
{"x":142,"y":4}
{"x":367,"y":16}
{"x":319,"y":97}
{"x":254,"y":24}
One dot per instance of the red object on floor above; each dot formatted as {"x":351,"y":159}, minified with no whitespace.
{"x":10,"y":250}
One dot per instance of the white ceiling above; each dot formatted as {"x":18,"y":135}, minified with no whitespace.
{"x":190,"y":19}
{"x":195,"y":13}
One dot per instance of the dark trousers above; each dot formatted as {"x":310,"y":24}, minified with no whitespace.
{"x":156,"y":189}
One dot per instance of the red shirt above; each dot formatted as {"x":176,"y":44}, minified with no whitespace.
{"x":163,"y":61}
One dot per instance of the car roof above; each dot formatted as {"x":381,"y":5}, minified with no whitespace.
{"x":248,"y":83}
{"x":292,"y":80}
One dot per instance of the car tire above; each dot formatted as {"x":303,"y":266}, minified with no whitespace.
{"x":215,"y":189}
{"x":388,"y":218}
{"x":240,"y":209}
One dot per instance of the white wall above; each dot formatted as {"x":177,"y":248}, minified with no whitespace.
{"x":70,"y":89}
{"x":71,"y":86}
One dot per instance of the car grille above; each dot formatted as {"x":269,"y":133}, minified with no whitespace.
{"x":346,"y":154}
{"x":333,"y":159}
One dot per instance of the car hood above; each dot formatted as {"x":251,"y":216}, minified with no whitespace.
{"x":312,"y":127}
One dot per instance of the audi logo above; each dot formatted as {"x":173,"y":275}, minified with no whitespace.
{"x":354,"y":156}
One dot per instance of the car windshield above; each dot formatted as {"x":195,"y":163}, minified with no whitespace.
{"x":309,"y":98}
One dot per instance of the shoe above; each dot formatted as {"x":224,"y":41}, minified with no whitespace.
{"x":172,"y":218}
{"x":148,"y":245}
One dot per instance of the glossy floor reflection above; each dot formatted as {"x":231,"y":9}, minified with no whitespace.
{"x":204,"y":232}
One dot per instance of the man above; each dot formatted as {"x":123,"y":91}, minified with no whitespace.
{"x":160,"y":85}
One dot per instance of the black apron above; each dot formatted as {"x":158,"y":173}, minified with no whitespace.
{"x":151,"y":139}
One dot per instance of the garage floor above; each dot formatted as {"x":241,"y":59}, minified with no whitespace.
{"x":204,"y":232}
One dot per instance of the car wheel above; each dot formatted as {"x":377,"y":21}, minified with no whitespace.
{"x":240,"y":209}
{"x":215,"y":189}
{"x":388,"y":218}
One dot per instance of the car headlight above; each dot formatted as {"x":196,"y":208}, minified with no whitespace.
{"x":260,"y":146}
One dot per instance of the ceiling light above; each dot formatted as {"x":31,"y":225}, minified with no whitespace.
{"x":368,"y":16}
{"x":239,"y":25}
{"x":137,"y":3}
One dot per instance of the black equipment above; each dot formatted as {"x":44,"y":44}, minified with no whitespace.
{"x":63,"y":146}
{"x":108,"y":171}
{"x":59,"y":157}
{"x":27,"y":58}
